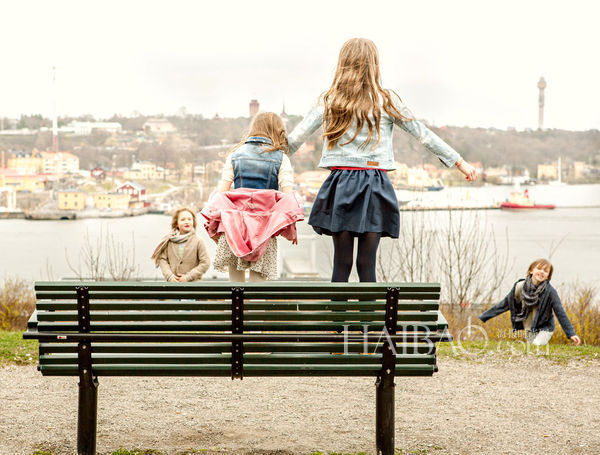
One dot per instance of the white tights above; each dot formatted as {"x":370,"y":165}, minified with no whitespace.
{"x":239,"y":276}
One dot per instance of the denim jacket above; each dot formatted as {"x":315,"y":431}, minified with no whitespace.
{"x":380,"y":156}
{"x":252,"y":168}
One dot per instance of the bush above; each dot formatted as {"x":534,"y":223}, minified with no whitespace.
{"x":17,"y":303}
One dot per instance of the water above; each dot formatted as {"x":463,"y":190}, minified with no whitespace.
{"x":571,"y":236}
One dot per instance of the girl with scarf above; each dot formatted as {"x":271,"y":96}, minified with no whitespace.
{"x":181,"y":255}
{"x":532,"y":303}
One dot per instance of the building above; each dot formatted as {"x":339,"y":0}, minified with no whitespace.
{"x":71,"y":200}
{"x":145,"y":170}
{"x":158,"y":126}
{"x":23,"y":182}
{"x":547,"y":171}
{"x":254,"y":106}
{"x":111,"y":201}
{"x":8,"y":198}
{"x":59,"y":163}
{"x":87,"y":128}
{"x":98,"y":173}
{"x":579,"y":169}
{"x":26,"y":163}
{"x":136,"y":192}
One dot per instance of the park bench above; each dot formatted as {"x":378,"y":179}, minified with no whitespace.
{"x":234,"y":330}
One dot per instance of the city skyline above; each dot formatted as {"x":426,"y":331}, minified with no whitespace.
{"x":464,"y":64}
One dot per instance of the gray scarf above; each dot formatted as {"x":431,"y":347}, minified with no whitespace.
{"x":530,"y":297}
{"x":173,"y":236}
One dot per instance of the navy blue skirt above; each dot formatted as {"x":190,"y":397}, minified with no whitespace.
{"x":356,"y":201}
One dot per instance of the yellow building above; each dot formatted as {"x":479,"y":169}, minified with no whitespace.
{"x":111,"y":201}
{"x":71,"y":200}
{"x":547,"y":171}
{"x":23,"y":163}
{"x":579,"y":168}
{"x":144,"y":170}
{"x":23,"y":182}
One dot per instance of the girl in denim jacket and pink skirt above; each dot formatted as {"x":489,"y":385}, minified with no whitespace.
{"x":246,"y":221}
{"x":357,"y":199}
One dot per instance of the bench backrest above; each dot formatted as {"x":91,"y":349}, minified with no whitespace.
{"x":249,"y":329}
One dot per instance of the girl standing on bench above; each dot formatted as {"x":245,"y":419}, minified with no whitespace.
{"x":181,"y":255}
{"x":245,"y":222}
{"x":357,"y":199}
{"x":532,"y":303}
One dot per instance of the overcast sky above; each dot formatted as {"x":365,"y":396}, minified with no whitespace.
{"x":462,"y":63}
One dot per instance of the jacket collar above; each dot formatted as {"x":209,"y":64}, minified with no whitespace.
{"x":259,"y":140}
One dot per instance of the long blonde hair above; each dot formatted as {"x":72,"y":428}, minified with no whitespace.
{"x":355,"y":93}
{"x":269,"y":125}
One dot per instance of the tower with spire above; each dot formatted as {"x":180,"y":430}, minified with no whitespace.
{"x":541,"y":86}
{"x":284,"y":116}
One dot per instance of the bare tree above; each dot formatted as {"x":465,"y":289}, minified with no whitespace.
{"x":104,"y":254}
{"x":410,"y":257}
{"x":471,"y":267}
{"x":460,"y":252}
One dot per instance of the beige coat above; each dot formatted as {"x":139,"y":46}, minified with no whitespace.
{"x":193,"y":264}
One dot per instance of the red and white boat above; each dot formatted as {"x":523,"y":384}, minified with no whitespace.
{"x":521,"y":200}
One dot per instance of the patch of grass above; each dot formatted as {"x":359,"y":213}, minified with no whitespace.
{"x":42,"y":452}
{"x":15,"y":350}
{"x":137,"y":452}
{"x":507,"y":349}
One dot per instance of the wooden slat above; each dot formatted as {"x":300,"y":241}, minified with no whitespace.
{"x":249,"y":371}
{"x":164,"y":287}
{"x":96,"y":316}
{"x":161,"y":305}
{"x":338,"y":295}
{"x":194,"y":348}
{"x":349,"y":359}
{"x":183,"y":326}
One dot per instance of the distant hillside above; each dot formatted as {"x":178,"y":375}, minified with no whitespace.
{"x":491,"y":147}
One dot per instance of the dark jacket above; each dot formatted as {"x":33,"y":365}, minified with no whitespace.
{"x":544,"y":320}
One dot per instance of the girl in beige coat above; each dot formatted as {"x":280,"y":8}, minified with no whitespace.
{"x":181,"y":255}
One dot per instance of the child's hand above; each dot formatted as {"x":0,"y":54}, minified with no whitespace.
{"x":576,"y":340}
{"x":295,"y":241}
{"x":181,"y":278}
{"x":468,"y":170}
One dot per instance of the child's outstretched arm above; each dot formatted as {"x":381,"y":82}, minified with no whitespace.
{"x":563,"y":318}
{"x":446,"y":154}
{"x":309,"y":124}
{"x":499,"y":308}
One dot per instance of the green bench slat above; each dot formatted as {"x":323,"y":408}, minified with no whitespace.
{"x":338,"y":295}
{"x":191,"y":348}
{"x":280,"y":286}
{"x":96,"y":305}
{"x":249,"y":359}
{"x":250,"y":370}
{"x":184,"y":326}
{"x":95,"y":316}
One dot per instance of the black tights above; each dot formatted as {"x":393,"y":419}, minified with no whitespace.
{"x":343,"y":252}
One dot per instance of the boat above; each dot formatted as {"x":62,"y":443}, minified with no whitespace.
{"x":521,"y":200}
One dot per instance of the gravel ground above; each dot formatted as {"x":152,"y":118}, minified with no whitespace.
{"x":527,"y":405}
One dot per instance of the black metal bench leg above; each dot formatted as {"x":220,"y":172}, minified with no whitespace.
{"x":385,"y":418}
{"x":87,"y":416}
